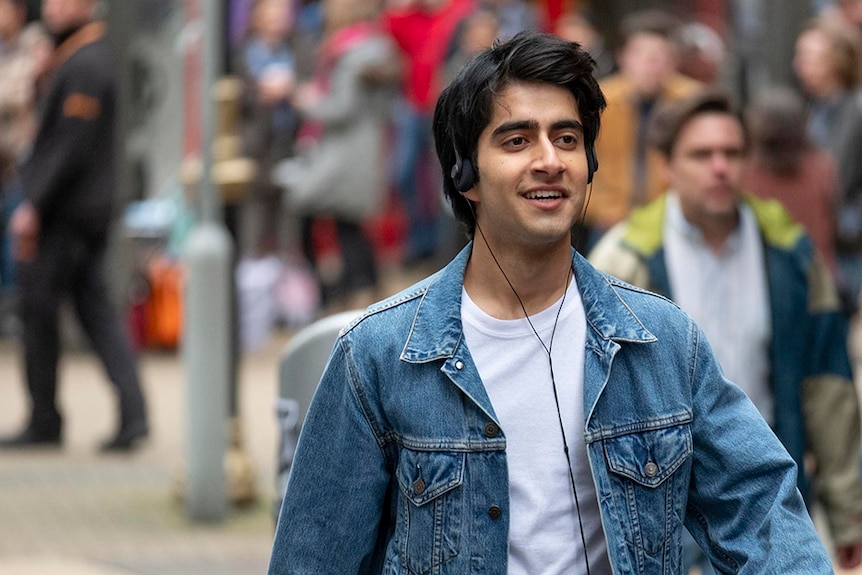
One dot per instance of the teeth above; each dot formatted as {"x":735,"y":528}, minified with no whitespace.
{"x":543,"y":195}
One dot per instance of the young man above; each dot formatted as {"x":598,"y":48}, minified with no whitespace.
{"x":519,"y":412}
{"x":750,"y":277}
{"x":61,"y":228}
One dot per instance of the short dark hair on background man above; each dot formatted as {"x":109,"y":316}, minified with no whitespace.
{"x":466,"y":106}
{"x":668,"y":121}
{"x":652,"y":22}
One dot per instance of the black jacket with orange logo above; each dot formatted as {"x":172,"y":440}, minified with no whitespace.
{"x":69,"y":176}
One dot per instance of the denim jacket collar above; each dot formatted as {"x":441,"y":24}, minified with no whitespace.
{"x":436,"y":331}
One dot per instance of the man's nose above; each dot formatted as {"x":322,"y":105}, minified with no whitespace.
{"x":720,"y":162}
{"x":547,"y":159}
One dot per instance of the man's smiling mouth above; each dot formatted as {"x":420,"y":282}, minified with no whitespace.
{"x":543,"y":195}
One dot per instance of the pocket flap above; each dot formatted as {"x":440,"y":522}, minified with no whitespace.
{"x":424,"y":475}
{"x":649,"y":457}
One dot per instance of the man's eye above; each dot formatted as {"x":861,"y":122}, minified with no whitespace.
{"x":517,"y":141}
{"x":568,"y":139}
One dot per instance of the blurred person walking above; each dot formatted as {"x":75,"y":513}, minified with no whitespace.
{"x":62,"y":226}
{"x":785,"y":165}
{"x":647,"y":78}
{"x":267,"y":66}
{"x":751,"y":279}
{"x":828,"y":63}
{"x":340,"y":181}
{"x":423,"y":31}
{"x":24,"y":49}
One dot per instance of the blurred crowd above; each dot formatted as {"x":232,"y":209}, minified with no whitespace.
{"x":337,"y":105}
{"x":336,"y":112}
{"x":340,"y":94}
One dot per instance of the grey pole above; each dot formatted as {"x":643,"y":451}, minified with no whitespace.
{"x":207,"y":344}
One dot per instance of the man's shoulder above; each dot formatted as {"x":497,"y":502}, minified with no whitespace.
{"x":681,"y":86}
{"x":637,"y":297}
{"x":775,"y":222}
{"x":392,"y":310}
{"x":624,"y":248}
{"x":93,"y":55}
{"x":628,"y":298}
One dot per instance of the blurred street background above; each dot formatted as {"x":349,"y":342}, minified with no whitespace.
{"x":74,"y":511}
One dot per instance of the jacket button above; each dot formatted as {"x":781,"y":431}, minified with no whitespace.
{"x":491,"y":429}
{"x":418,"y":487}
{"x":459,"y":364}
{"x":650,"y":469}
{"x":494,"y":512}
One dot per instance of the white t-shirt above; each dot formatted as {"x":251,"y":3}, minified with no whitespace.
{"x":544,"y":536}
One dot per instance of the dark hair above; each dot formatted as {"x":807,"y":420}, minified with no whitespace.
{"x":653,"y":22}
{"x":466,"y":106}
{"x":777,"y":121}
{"x":669,"y":120}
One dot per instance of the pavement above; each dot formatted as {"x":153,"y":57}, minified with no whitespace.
{"x":74,"y":511}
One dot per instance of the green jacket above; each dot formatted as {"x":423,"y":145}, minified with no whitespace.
{"x":816,"y":407}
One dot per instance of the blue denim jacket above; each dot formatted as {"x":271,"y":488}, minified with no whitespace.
{"x":401,"y":465}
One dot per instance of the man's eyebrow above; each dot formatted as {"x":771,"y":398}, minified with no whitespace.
{"x":568,"y":125}
{"x":519,"y":125}
{"x":515,"y":126}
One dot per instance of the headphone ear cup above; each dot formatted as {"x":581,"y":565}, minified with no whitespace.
{"x":463,"y":176}
{"x":592,"y":163}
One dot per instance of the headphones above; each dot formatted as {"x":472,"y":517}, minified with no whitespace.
{"x":463,"y":173}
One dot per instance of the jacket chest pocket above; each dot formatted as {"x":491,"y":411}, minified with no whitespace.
{"x":430,"y":509}
{"x":649,"y":476}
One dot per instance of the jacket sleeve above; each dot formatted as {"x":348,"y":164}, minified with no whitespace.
{"x":831,"y":409}
{"x":335,"y":496}
{"x":72,"y":122}
{"x":744,"y":509}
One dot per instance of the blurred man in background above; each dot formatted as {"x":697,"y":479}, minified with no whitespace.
{"x":62,"y":227}
{"x":752,"y":280}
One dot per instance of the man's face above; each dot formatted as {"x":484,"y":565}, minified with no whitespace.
{"x":532,"y":166}
{"x":852,"y":10}
{"x":648,"y":60}
{"x":811,"y":63}
{"x":705,"y":167}
{"x":62,"y":15}
{"x":12,"y":18}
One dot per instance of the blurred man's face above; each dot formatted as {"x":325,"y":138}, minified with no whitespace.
{"x":62,"y":15}
{"x":812,"y":63}
{"x":705,"y":167}
{"x":12,"y":18}
{"x":648,"y":61}
{"x":852,"y":10}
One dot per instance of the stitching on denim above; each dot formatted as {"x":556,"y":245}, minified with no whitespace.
{"x":651,"y":425}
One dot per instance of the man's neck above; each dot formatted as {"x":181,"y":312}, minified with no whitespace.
{"x":716,"y":230}
{"x":540,"y":278}
{"x":61,"y":36}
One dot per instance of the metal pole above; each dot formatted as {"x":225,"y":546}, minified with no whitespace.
{"x":207,"y":342}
